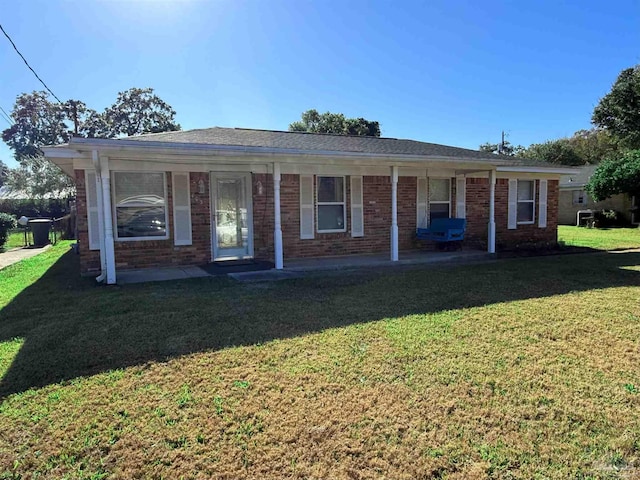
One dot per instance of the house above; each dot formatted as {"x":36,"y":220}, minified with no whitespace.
{"x":574,"y":198}
{"x":217,"y":194}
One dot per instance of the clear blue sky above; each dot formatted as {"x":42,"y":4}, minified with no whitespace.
{"x":441,"y":71}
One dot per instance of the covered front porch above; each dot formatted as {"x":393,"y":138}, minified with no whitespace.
{"x":421,"y":172}
{"x":301,"y":267}
{"x":297,"y":206}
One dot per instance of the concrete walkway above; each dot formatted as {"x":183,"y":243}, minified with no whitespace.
{"x":12,"y":256}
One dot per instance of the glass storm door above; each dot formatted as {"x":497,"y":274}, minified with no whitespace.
{"x":232,"y":217}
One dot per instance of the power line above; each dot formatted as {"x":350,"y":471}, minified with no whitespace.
{"x":27,"y":64}
{"x":6,"y":116}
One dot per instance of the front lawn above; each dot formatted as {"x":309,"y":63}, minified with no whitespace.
{"x":599,"y":238}
{"x":522,"y":368}
{"x":15,"y":239}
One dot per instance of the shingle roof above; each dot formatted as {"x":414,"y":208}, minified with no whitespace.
{"x":317,"y":141}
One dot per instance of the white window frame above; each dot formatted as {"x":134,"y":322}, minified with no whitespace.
{"x":343,"y":203}
{"x":582,"y":197}
{"x":437,"y":202}
{"x":115,"y":213}
{"x":532,"y":201}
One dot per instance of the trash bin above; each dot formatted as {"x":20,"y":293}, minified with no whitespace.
{"x":40,"y":229}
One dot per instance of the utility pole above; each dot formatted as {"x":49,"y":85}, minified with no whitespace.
{"x":75,"y":119}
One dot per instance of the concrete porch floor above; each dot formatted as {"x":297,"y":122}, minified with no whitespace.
{"x":413,"y":257}
{"x":296,"y":268}
{"x":158,"y":274}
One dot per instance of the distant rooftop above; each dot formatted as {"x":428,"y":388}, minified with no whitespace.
{"x":579,"y":179}
{"x":246,"y":137}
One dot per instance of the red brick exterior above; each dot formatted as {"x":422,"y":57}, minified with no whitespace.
{"x":477,"y":212}
{"x":152,"y":253}
{"x":377,"y":223}
{"x":89,"y":259}
{"x":377,"y":219}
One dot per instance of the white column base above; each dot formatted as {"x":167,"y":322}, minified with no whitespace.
{"x":277,"y":235}
{"x":491,"y":247}
{"x":394,"y":243}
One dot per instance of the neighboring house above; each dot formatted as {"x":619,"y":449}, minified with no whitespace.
{"x":192,"y":197}
{"x":573,"y":198}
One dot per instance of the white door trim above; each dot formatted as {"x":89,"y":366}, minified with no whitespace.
{"x":248,"y":187}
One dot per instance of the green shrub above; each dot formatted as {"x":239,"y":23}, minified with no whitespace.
{"x":607,"y":218}
{"x":7,"y":222}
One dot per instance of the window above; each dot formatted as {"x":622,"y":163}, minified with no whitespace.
{"x":439,"y":198}
{"x":332,"y":212}
{"x":579,"y":197}
{"x":526,"y":201}
{"x":140,"y":205}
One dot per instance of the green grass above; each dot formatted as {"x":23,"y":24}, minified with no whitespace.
{"x":15,"y":239}
{"x":523,"y":368}
{"x":599,"y":239}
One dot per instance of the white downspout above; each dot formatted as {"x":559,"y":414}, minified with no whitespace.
{"x":109,"y":250}
{"x":394,"y":213}
{"x":277,"y":232}
{"x":491,"y":244}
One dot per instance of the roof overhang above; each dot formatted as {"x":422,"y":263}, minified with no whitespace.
{"x":537,"y":169}
{"x":65,"y":156}
{"x":120,"y":145}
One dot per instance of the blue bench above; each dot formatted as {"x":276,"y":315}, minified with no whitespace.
{"x":443,"y":230}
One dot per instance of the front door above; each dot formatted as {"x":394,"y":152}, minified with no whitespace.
{"x":232,"y":221}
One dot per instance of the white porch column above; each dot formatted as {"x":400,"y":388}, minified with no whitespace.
{"x":277,"y":232}
{"x":491,"y":241}
{"x":394,"y":213}
{"x":98,"y":187}
{"x":109,"y":250}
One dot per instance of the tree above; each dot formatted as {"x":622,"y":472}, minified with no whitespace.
{"x":619,"y":110}
{"x":38,"y":121}
{"x":135,"y":112}
{"x":4,"y":171}
{"x":594,"y":145}
{"x":40,"y":177}
{"x":505,"y":148}
{"x":615,"y":176}
{"x":559,"y":152}
{"x":337,"y":123}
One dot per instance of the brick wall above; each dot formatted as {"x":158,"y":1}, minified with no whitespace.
{"x":477,"y":207}
{"x":377,"y":219}
{"x":377,"y":223}
{"x":263,"y":220}
{"x":89,"y":259}
{"x":153,"y":253}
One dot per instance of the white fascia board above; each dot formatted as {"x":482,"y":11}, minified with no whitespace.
{"x":57,"y":152}
{"x":535,"y":169}
{"x":65,"y":158}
